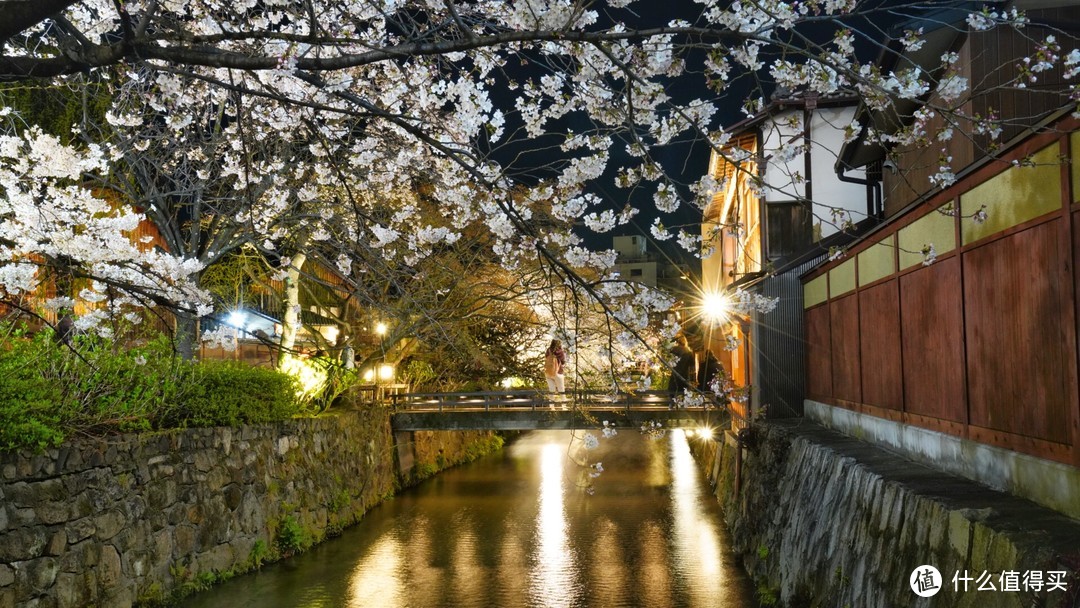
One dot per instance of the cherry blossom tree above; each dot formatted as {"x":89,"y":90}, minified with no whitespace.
{"x":304,"y":118}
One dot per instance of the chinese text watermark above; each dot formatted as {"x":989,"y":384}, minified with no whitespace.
{"x":926,"y":581}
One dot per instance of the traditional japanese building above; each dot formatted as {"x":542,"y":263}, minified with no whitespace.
{"x":779,"y":208}
{"x":949,"y":333}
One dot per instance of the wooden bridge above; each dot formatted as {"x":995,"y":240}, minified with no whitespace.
{"x":532,"y":410}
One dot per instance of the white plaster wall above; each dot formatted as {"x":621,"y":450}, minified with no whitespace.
{"x":827,"y":134}
{"x":647,"y":276}
{"x":780,"y":177}
{"x":828,"y":192}
{"x":629,"y":246}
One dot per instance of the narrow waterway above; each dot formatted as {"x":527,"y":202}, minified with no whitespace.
{"x":524,"y":528}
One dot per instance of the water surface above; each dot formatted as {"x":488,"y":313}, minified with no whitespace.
{"x":527,"y":527}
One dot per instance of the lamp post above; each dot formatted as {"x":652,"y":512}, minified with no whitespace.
{"x":380,"y":330}
{"x":383,"y":372}
{"x":238,"y":320}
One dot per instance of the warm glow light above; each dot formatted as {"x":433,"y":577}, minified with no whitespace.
{"x":369,"y":375}
{"x":697,"y":546}
{"x":689,"y":432}
{"x":512,"y":382}
{"x":237,"y":319}
{"x":380,"y":328}
{"x":380,"y":573}
{"x":330,"y":333}
{"x":715,"y":307}
{"x":705,"y":432}
{"x":386,"y":372}
{"x":554,"y":558}
{"x":311,"y":378}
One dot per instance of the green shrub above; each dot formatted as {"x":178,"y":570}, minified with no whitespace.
{"x":292,"y":538}
{"x":418,"y":373}
{"x":259,"y":553}
{"x":50,"y":390}
{"x":113,"y":387}
{"x":230,"y":394}
{"x":30,"y":405}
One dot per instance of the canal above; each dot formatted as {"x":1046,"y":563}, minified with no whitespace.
{"x":527,"y":527}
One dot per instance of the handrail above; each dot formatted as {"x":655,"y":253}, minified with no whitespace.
{"x":532,"y":399}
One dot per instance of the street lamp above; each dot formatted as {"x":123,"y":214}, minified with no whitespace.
{"x":383,"y":372}
{"x":380,"y":330}
{"x":237,"y":319}
{"x":716,"y":307}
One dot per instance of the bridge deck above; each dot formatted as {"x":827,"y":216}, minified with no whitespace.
{"x":531,"y":410}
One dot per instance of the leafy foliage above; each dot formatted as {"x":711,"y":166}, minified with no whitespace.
{"x":292,"y":538}
{"x":50,"y":391}
{"x":29,"y":406}
{"x":230,"y":394}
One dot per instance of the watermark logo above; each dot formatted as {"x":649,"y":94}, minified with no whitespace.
{"x":925,"y":581}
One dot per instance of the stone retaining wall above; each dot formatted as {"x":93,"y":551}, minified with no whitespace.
{"x":137,"y":518}
{"x":826,"y":520}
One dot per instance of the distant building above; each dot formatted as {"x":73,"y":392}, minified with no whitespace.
{"x":636,"y":263}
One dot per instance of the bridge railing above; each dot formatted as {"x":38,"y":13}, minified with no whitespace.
{"x":532,"y":399}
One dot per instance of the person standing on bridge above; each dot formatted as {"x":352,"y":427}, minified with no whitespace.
{"x":554,"y":366}
{"x":683,"y":372}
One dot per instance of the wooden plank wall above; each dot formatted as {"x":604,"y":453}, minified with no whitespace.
{"x":879,"y":345}
{"x":819,"y":359}
{"x":934,"y":375}
{"x":989,"y":61}
{"x":981,"y":344}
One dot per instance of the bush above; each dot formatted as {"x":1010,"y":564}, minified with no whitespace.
{"x":109,"y":386}
{"x":30,"y":405}
{"x":50,"y":390}
{"x":292,"y":538}
{"x":230,"y":394}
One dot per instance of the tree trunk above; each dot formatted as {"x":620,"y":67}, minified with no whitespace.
{"x":290,"y":318}
{"x":18,"y":15}
{"x":187,"y":334}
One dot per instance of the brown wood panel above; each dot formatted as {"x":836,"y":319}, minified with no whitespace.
{"x":956,"y":429}
{"x":1074,"y":423}
{"x":844,"y":328}
{"x":1039,"y":448}
{"x":931,"y":320}
{"x":879,"y":346}
{"x":1016,"y":299}
{"x":999,"y":49}
{"x":818,"y":353}
{"x":870,"y":410}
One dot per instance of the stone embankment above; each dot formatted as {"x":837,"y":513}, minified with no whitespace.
{"x":136,"y":519}
{"x":822,"y":519}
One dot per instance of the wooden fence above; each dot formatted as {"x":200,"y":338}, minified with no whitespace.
{"x":980,"y":343}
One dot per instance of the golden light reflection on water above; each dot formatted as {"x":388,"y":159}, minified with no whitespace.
{"x":553,"y":574}
{"x":520,"y":532}
{"x":378,"y":575}
{"x":466,"y":568}
{"x":513,"y":572}
{"x":418,"y":572}
{"x":607,"y":563}
{"x":697,"y":544}
{"x":654,"y":573}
